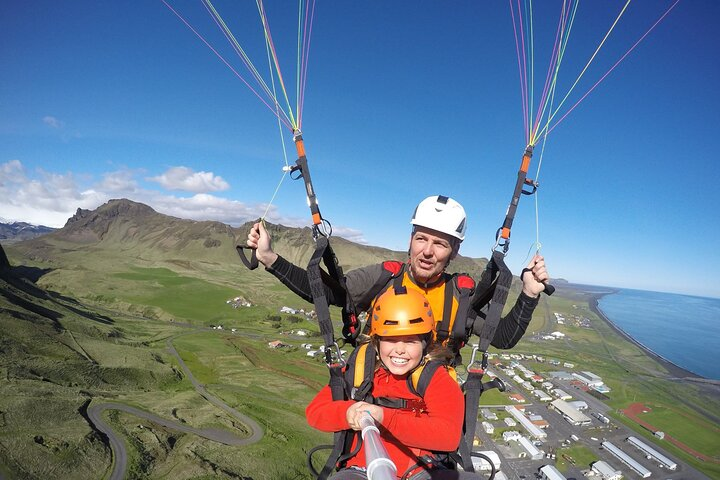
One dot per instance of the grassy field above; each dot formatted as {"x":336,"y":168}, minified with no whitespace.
{"x":104,"y":337}
{"x":578,"y":455}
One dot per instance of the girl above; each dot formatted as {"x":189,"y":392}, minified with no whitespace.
{"x":412,"y":426}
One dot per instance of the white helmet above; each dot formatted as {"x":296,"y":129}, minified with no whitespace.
{"x":442,"y":214}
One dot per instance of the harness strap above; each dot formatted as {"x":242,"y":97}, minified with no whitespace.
{"x":320,"y":302}
{"x":358,"y":384}
{"x":500,"y":294}
{"x":465,"y":285}
{"x":443,"y":328}
{"x":419,"y":380}
{"x":336,"y":384}
{"x":473,"y":389}
{"x":495,"y":281}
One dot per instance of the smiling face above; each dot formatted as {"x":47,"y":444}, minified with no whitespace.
{"x":401,"y":354}
{"x":430,"y":252}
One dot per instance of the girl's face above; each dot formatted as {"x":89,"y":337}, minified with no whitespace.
{"x":401,"y":354}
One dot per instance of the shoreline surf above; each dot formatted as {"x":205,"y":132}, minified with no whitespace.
{"x":673,"y":369}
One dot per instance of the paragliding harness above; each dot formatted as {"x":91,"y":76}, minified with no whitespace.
{"x":357,"y":381}
{"x":459,"y":287}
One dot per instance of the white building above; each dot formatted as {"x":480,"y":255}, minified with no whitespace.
{"x":572,"y":415}
{"x":561,"y":394}
{"x":486,"y":413}
{"x":531,"y":449}
{"x":626,"y":459}
{"x":511,"y":435}
{"x":542,"y":396}
{"x":549,"y":472}
{"x":482,"y":465}
{"x":526,"y":424}
{"x":578,"y":405}
{"x":510,"y":422}
{"x":606,"y":471}
{"x":488,"y":427}
{"x":650,"y":451}
{"x":589,"y":379}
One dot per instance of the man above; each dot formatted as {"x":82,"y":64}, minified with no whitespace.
{"x":439,"y":225}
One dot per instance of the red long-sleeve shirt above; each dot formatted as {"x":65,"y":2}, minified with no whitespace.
{"x":406,"y":434}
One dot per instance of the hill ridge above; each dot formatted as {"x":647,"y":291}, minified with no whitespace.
{"x":123,"y":226}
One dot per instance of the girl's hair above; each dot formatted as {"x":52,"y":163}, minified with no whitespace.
{"x":438,"y":351}
{"x":433,"y":350}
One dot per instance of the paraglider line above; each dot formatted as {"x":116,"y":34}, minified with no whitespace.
{"x":224,"y":61}
{"x":517,"y":25}
{"x":613,"y":67}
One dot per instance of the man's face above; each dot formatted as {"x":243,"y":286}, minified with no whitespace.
{"x":430,"y":251}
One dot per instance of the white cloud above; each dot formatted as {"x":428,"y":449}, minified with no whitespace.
{"x":50,"y":199}
{"x":52,"y":122}
{"x":350,"y":234}
{"x":120,"y":181}
{"x":185,"y":179}
{"x":12,"y":172}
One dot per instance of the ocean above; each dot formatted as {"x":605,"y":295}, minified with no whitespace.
{"x":680,"y":328}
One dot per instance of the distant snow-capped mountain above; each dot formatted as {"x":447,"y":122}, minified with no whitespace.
{"x":16,"y":231}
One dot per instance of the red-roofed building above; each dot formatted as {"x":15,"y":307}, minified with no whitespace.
{"x":541,"y":423}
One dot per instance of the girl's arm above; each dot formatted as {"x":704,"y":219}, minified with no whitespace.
{"x":326,"y":414}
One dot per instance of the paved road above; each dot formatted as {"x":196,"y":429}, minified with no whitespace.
{"x":222,"y":436}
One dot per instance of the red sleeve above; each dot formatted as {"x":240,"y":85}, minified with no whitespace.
{"x":440,"y":427}
{"x":327,"y":414}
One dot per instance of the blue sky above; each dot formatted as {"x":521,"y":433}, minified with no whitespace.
{"x":102,"y":100}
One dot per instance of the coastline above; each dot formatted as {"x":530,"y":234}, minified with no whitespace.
{"x":673,"y":369}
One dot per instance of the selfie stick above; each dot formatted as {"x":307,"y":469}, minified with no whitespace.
{"x":379,"y":465}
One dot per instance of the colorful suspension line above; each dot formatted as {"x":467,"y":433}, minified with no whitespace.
{"x":537,"y":127}
{"x":256,"y":83}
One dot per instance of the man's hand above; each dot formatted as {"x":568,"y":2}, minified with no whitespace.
{"x":260,"y":240}
{"x":534,"y":276}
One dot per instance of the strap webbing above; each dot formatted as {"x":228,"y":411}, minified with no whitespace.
{"x":473,"y":387}
{"x":502,"y":288}
{"x":336,"y":384}
{"x":317,"y":290}
{"x":443,"y":328}
{"x":460,"y":332}
{"x":335,"y":280}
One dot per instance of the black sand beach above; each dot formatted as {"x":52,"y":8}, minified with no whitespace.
{"x":674,"y":370}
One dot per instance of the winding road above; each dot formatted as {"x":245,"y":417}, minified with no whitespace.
{"x":226,"y":437}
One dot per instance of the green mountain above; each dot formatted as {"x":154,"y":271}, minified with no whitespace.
{"x":122,"y":235}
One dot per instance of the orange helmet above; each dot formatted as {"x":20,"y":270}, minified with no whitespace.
{"x":401,"y":312}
